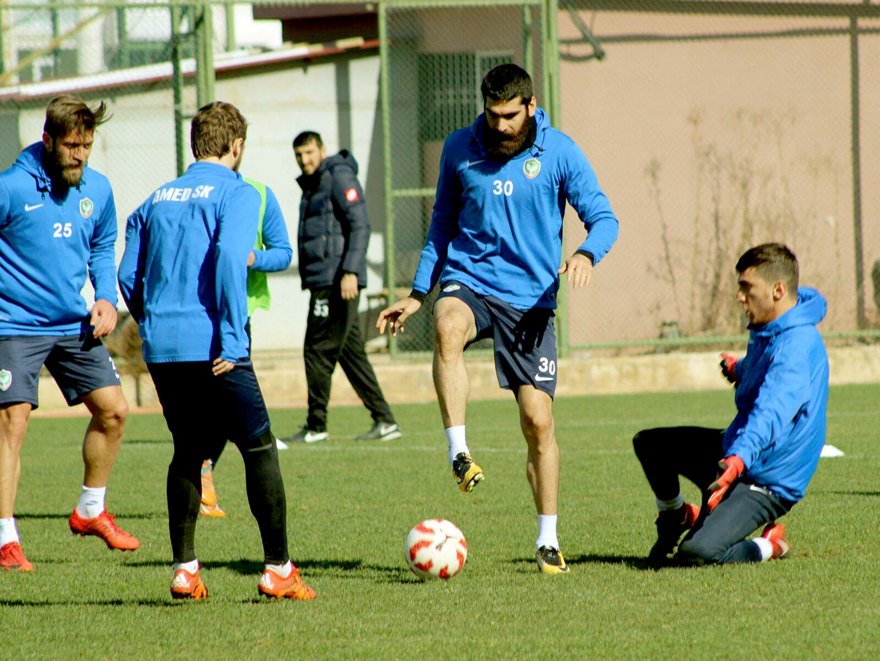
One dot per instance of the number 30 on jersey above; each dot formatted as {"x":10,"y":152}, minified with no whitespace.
{"x":502,"y":187}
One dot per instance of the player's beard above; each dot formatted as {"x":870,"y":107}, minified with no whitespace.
{"x":502,"y":146}
{"x":66,"y":175}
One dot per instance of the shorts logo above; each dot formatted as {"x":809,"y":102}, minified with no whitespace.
{"x":531,"y":168}
{"x":448,"y":289}
{"x":5,"y":380}
{"x":351,"y":195}
{"x":86,"y":207}
{"x":538,"y":377}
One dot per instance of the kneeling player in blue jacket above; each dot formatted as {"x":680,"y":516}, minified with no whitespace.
{"x":184,"y":278}
{"x":770,"y":451}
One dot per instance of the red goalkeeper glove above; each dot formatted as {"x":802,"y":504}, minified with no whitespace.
{"x":732,"y":467}
{"x":728,"y":367}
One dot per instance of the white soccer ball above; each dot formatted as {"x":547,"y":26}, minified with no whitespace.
{"x":435,"y":548}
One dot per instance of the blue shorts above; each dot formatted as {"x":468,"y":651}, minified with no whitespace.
{"x":525,"y":341}
{"x":206,"y":409}
{"x":79,"y":365}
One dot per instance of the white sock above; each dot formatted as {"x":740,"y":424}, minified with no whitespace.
{"x":282,"y":570}
{"x":455,"y":437}
{"x":8,"y":531}
{"x":766,"y":547}
{"x":547,"y":531}
{"x":191,"y":567}
{"x":667,"y":505}
{"x":91,"y":501}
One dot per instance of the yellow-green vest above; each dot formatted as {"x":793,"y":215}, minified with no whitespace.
{"x":258,"y":281}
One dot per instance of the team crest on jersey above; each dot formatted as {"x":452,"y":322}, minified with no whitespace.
{"x":531,"y":168}
{"x":5,"y":380}
{"x":86,"y":207}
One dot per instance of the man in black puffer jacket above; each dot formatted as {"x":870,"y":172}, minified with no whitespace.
{"x":332,"y":240}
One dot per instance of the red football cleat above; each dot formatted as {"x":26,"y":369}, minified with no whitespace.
{"x":105,"y":527}
{"x":12,"y":558}
{"x":188,"y":586}
{"x":775,"y":532}
{"x":277,"y":587}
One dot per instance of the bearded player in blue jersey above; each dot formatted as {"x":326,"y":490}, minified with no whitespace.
{"x":184,"y":277}
{"x":754,"y":471}
{"x":495,"y":247}
{"x":57,"y":225}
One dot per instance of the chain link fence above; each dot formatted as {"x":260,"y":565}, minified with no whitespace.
{"x":711,"y":126}
{"x":437,"y":54}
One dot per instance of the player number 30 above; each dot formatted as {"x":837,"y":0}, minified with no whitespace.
{"x":502,"y":187}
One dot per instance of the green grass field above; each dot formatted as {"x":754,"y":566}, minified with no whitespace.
{"x":351,"y":504}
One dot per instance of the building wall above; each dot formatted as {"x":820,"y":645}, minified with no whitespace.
{"x":338,"y":97}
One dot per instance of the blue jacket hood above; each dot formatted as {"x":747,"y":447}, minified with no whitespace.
{"x":31,"y":161}
{"x":810,"y":310}
{"x":344,"y":157}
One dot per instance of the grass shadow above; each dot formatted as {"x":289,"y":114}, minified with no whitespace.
{"x":527,"y":565}
{"x":322,"y":569}
{"x":66,"y":515}
{"x":847,"y":493}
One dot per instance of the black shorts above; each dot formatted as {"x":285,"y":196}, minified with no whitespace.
{"x":525,"y":341}
{"x":201,"y":407}
{"x":79,"y":365}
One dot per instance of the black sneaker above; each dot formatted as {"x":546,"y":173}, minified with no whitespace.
{"x":550,"y":561}
{"x":466,"y":472}
{"x":306,"y":435}
{"x":381,"y":431}
{"x":670,"y":527}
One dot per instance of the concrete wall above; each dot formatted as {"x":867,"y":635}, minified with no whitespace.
{"x":282,"y":378}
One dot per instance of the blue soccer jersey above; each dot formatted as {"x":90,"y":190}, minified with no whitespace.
{"x":50,"y":240}
{"x":184,"y":270}
{"x":497,"y":225}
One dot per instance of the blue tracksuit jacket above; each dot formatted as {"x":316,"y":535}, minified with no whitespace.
{"x":781,"y":398}
{"x":497,"y":225}
{"x":48,"y":245}
{"x":184,"y":270}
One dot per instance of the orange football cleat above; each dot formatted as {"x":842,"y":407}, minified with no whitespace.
{"x":188,"y":586}
{"x":775,"y":532}
{"x":105,"y":527}
{"x":277,"y":587}
{"x":12,"y":558}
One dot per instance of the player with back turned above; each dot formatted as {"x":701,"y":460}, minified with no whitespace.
{"x":184,"y":278}
{"x":495,"y":247}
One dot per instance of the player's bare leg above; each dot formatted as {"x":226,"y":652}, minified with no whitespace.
{"x":13,"y":426}
{"x":454,"y":327}
{"x":100,"y":447}
{"x":542,"y":470}
{"x":104,"y":434}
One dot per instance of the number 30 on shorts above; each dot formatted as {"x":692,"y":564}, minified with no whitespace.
{"x":546,"y":368}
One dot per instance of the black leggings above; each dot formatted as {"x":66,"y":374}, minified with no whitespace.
{"x":203,"y":411}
